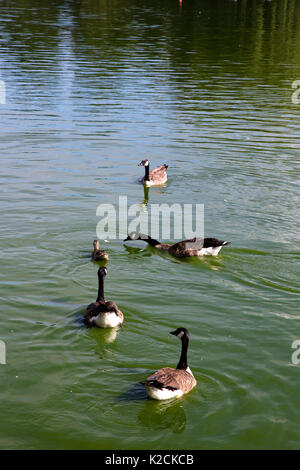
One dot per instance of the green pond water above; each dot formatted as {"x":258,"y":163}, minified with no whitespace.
{"x":93,"y":87}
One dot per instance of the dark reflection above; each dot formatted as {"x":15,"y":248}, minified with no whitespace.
{"x":249,"y":32}
{"x":146,"y":197}
{"x":135,"y":393}
{"x":210,"y":53}
{"x":129,"y":21}
{"x":157,"y":190}
{"x":77,"y":318}
{"x":161,"y":415}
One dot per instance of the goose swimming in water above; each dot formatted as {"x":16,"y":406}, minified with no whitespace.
{"x":169,"y":383}
{"x":99,"y":255}
{"x":101,"y":313}
{"x":154,"y":177}
{"x":184,"y":249}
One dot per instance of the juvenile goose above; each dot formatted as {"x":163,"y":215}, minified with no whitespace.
{"x":192,"y":247}
{"x":156,"y":176}
{"x":101,"y":313}
{"x":170,"y":383}
{"x":99,"y":255}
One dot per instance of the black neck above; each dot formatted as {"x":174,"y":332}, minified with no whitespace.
{"x":182,"y":364}
{"x":100,"y":288}
{"x":147,"y":172}
{"x":151,"y":241}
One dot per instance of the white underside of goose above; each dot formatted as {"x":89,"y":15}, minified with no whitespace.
{"x":210,"y":251}
{"x":163,"y":394}
{"x":106,"y":320}
{"x":154,"y":183}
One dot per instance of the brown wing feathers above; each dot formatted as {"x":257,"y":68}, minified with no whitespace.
{"x":192,"y":245}
{"x":158,"y":172}
{"x":172,"y":379}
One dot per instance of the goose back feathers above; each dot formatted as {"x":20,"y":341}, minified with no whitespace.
{"x":170,"y":383}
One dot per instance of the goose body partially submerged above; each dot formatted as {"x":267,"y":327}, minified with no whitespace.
{"x":169,"y":383}
{"x":97,"y":254}
{"x":186,"y":248}
{"x":101,"y":313}
{"x":154,"y":177}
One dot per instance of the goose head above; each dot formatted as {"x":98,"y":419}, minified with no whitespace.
{"x":102,"y":272}
{"x":180,"y":333}
{"x":133,"y":236}
{"x":96,"y":244}
{"x":144,"y":163}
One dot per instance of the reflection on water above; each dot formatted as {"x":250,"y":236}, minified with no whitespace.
{"x":136,"y":392}
{"x":168,"y":414}
{"x":144,"y":204}
{"x":157,"y":191}
{"x":215,"y":263}
{"x":101,"y":262}
{"x":103,"y":336}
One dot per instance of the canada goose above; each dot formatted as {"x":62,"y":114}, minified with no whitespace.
{"x":170,"y":383}
{"x":101,"y":313}
{"x":156,"y":176}
{"x":99,"y":255}
{"x":192,"y":247}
